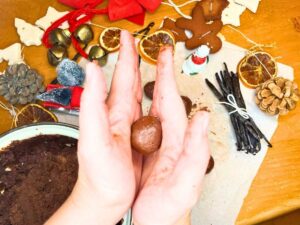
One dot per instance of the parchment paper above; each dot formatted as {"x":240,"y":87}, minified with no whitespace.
{"x":227,"y":185}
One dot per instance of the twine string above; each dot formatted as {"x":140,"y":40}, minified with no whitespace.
{"x":104,"y":27}
{"x":246,"y":37}
{"x":12,"y":110}
{"x":255,"y":46}
{"x":263,"y":65}
{"x":232,"y":102}
{"x":184,"y":4}
{"x":177,"y":7}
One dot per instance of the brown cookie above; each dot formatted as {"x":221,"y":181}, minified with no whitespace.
{"x":178,"y":33}
{"x":203,"y":33}
{"x":212,"y":9}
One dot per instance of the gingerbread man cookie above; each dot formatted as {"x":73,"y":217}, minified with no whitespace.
{"x":203,"y":33}
{"x":179,"y":34}
{"x":212,"y":9}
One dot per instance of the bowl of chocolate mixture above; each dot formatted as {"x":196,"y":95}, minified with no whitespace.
{"x":38,"y":170}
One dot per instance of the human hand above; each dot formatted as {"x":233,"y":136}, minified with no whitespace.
{"x":172,"y":177}
{"x":107,"y":181}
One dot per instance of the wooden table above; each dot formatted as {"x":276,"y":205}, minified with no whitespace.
{"x":276,"y":188}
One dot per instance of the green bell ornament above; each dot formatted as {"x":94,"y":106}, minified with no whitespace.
{"x":84,"y":34}
{"x":56,"y":54}
{"x":98,"y":53}
{"x":60,"y":37}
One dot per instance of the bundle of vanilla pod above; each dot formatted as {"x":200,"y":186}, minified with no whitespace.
{"x":248,"y":135}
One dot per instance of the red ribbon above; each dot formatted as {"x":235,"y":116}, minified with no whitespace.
{"x":75,"y":97}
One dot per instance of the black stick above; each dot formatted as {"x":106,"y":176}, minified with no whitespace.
{"x":145,"y":30}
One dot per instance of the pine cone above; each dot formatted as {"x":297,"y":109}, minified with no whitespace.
{"x":19,"y":84}
{"x":277,"y":96}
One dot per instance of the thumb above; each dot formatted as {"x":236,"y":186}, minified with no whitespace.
{"x":191,"y":167}
{"x":93,"y":118}
{"x":196,"y":139}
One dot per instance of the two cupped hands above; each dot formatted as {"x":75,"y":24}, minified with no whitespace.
{"x":161,"y":188}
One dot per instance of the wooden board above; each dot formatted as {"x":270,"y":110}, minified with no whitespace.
{"x":276,"y":188}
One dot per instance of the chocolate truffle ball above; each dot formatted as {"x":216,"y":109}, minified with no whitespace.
{"x":211,"y":165}
{"x":146,"y":134}
{"x":187,"y":104}
{"x":149,"y":89}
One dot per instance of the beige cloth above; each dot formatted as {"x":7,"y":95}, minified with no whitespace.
{"x":227,"y":185}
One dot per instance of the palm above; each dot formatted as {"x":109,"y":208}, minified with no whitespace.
{"x":172,"y":177}
{"x":106,"y":168}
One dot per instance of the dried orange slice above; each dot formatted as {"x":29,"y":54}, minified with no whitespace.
{"x":150,"y":45}
{"x":33,"y":113}
{"x":256,"y":68}
{"x":110,"y":39}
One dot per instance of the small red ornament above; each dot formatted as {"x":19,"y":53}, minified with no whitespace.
{"x":198,"y":60}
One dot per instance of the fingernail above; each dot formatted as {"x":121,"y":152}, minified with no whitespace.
{"x":165,"y":48}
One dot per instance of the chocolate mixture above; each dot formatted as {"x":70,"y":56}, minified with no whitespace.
{"x":36,"y":177}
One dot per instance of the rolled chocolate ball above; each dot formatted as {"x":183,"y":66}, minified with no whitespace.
{"x":146,"y":134}
{"x":187,"y":104}
{"x":211,"y":165}
{"x":149,"y":89}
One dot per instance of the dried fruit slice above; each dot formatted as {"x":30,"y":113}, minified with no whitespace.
{"x":256,"y":68}
{"x":149,"y":46}
{"x":33,"y":113}
{"x":110,"y":39}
